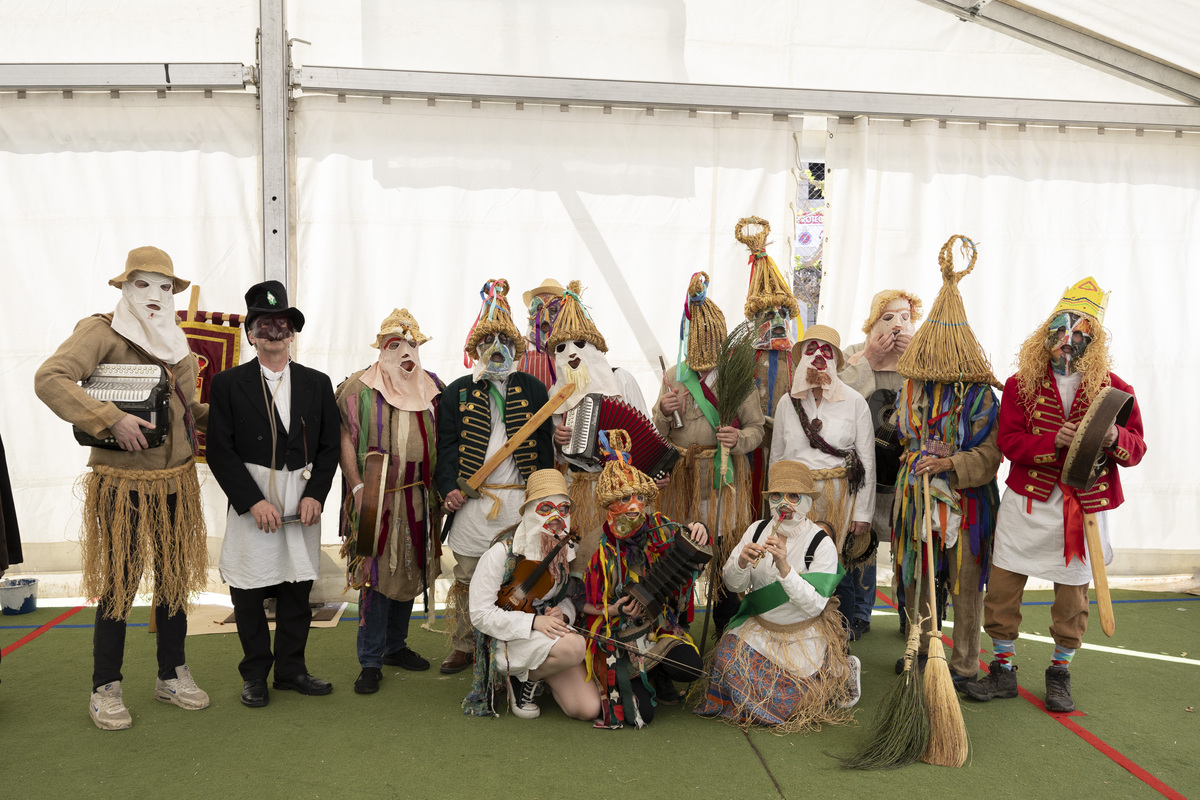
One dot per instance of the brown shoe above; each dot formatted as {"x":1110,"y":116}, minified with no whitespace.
{"x":457,"y":661}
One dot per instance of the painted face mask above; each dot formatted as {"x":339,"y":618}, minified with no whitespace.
{"x":543,"y":311}
{"x":625,"y":516}
{"x":149,"y":296}
{"x":1067,"y":339}
{"x":495,"y":357}
{"x":896,"y":319}
{"x":543,"y":522}
{"x":817,"y":363}
{"x":271,"y":327}
{"x":579,"y":362}
{"x":772,"y":329}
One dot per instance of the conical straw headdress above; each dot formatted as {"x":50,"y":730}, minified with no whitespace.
{"x":704,"y":323}
{"x":767,"y":288}
{"x":494,"y":317}
{"x":945,"y":349}
{"x":619,"y":478}
{"x":574,"y":321}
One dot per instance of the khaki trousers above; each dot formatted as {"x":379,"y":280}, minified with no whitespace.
{"x":967,"y":602}
{"x":1002,"y":609}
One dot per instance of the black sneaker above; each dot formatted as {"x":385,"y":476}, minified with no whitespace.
{"x":858,"y":628}
{"x":961,"y":681}
{"x":520,"y":698}
{"x":999,"y":683}
{"x":919,"y":666}
{"x":1058,"y":689}
{"x":406,"y":659}
{"x":368,"y":680}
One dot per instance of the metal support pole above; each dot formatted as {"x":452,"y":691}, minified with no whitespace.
{"x":274,"y":92}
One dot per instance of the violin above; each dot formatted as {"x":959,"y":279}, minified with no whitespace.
{"x":531,"y":581}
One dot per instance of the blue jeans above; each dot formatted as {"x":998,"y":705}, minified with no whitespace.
{"x":382,"y":627}
{"x":856,"y":593}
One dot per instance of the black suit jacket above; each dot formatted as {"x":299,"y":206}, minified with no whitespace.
{"x":239,"y":431}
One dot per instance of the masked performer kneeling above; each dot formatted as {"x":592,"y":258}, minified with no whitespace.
{"x":518,"y":649}
{"x":631,"y":650}
{"x":783,"y":661}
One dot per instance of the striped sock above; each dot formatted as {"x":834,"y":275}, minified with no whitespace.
{"x":1062,"y":656}
{"x":1003,"y":650}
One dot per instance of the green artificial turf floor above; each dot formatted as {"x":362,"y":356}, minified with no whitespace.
{"x":411,"y":740}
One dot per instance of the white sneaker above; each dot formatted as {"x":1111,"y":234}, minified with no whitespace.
{"x":853,"y":683}
{"x":108,"y":708}
{"x":520,"y":698}
{"x":181,"y":690}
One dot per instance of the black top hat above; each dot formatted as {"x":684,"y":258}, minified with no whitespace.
{"x":270,"y":297}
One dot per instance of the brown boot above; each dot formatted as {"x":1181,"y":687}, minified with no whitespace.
{"x":457,"y":661}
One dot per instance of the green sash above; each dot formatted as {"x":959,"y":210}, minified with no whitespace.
{"x":773,"y":595}
{"x":691,"y":380}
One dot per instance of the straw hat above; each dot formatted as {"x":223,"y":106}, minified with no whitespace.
{"x":619,"y":478}
{"x":822,"y":333}
{"x":574,"y":322}
{"x":548,"y":286}
{"x":542,"y":484}
{"x":495,"y":317}
{"x":767,"y":287}
{"x":150,"y":259}
{"x":791,"y":476}
{"x":403,"y":324}
{"x":706,"y":329}
{"x":945,"y":349}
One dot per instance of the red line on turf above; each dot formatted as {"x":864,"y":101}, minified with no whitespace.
{"x":1065,"y":720}
{"x":29,"y":637}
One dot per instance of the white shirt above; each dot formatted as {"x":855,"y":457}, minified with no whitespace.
{"x":845,"y":424}
{"x":472,"y":532}
{"x":804,"y":602}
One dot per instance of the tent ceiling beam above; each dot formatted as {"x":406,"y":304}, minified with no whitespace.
{"x":1076,"y":45}
{"x":734,"y":99}
{"x":124,"y":77}
{"x":274,"y":99}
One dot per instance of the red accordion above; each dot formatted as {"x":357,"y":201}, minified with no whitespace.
{"x":649,"y":452}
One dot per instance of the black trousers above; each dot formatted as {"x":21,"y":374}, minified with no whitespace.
{"x":686,"y":667}
{"x":292,"y":620}
{"x":108,"y":635}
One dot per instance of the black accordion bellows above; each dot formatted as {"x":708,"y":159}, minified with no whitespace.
{"x":669,"y":573}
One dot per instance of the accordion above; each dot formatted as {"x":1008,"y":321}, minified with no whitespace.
{"x":670,"y":573}
{"x":649,"y":451}
{"x":138,"y":389}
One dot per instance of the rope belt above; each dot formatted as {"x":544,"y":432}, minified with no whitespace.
{"x":828,"y":474}
{"x":483,"y":490}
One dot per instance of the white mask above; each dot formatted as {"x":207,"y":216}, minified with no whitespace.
{"x":895,"y":319}
{"x":145,"y":315}
{"x":580,"y":362}
{"x":542,"y":522}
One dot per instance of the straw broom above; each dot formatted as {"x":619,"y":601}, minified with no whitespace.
{"x":899,"y":734}
{"x":948,"y":745}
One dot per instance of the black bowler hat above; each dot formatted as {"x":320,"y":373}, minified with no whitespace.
{"x":270,"y":297}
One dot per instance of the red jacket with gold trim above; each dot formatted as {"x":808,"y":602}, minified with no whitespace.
{"x":1026,"y":438}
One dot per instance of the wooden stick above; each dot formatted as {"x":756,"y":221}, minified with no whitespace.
{"x":470,"y":487}
{"x":676,"y":420}
{"x":1108,"y":623}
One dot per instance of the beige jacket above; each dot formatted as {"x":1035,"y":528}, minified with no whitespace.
{"x":94,"y":342}
{"x":696,"y":429}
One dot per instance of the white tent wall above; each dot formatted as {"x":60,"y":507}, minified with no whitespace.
{"x":404,"y":205}
{"x":864,"y":45}
{"x":86,"y":180}
{"x":1046,"y":209}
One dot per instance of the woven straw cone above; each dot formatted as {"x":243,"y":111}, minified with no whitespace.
{"x":621,"y":479}
{"x":767,"y":287}
{"x":945,"y":349}
{"x":501,"y":322}
{"x":573,"y":322}
{"x":403,"y":324}
{"x":707,"y":329}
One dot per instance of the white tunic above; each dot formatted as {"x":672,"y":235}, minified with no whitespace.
{"x":845,"y":424}
{"x":807,"y":653}
{"x":472,"y":532}
{"x":518,"y":645}
{"x":1030,"y":533}
{"x":250,"y":558}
